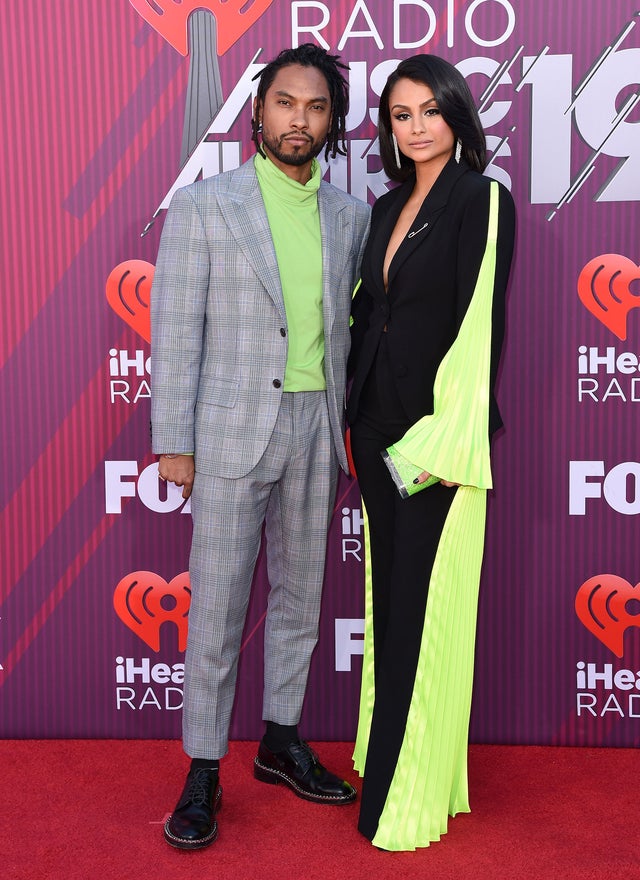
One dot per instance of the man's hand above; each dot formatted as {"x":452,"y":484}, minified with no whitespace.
{"x":178,"y":469}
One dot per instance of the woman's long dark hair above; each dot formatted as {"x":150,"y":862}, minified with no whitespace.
{"x":310,"y":55}
{"x":455,"y":103}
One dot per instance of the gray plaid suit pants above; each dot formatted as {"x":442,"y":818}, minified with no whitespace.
{"x":291,"y":490}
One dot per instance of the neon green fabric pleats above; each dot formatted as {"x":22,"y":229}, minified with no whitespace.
{"x":430,"y":781}
{"x":367,"y":686}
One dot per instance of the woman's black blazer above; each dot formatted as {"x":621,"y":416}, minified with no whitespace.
{"x":432,"y":278}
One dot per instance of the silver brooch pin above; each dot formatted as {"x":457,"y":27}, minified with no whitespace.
{"x":416,"y":231}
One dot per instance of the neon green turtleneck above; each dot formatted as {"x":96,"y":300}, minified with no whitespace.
{"x":292,"y":209}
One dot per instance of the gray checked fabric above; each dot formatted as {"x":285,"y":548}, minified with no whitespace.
{"x":293,"y":487}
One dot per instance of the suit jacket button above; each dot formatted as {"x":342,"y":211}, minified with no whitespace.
{"x":283,"y":332}
{"x":402,"y":371}
{"x":277,"y":383}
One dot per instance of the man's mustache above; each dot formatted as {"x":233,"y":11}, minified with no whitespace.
{"x":297,"y":135}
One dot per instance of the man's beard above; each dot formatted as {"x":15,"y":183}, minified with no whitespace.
{"x":294,"y":156}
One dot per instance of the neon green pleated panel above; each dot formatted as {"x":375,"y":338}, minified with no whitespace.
{"x":430,"y":780}
{"x":367,"y":686}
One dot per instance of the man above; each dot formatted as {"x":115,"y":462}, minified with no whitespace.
{"x":250,"y":328}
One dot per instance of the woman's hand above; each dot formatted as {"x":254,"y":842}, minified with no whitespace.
{"x":424,"y":476}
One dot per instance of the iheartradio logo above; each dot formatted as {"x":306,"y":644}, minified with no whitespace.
{"x":129,"y":294}
{"x":607,"y":605}
{"x":169,"y":18}
{"x":605,"y":289}
{"x":144,"y":601}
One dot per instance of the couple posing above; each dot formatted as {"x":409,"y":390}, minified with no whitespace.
{"x":251,"y":306}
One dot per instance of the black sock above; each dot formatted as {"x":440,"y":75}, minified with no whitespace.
{"x":278,"y":736}
{"x":204,"y":763}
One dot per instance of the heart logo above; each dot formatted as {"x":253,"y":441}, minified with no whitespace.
{"x":169,"y":18}
{"x":144,"y":601}
{"x":129,"y":294}
{"x":604,"y":288}
{"x":603,"y":606}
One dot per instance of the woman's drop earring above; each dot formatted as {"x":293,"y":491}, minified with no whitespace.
{"x":458,"y":150}
{"x":395,"y":149}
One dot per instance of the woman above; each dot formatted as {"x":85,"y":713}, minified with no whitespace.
{"x":428,"y":324}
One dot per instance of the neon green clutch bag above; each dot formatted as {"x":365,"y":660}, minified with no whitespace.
{"x":403,"y":473}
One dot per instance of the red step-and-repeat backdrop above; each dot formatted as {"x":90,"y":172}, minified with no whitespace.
{"x":107,"y":108}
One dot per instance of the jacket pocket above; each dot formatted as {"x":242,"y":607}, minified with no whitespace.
{"x":215,"y":391}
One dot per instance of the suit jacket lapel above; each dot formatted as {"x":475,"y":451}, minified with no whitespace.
{"x":246,"y":218}
{"x":335,"y":247}
{"x":432,"y":207}
{"x":380,"y":235}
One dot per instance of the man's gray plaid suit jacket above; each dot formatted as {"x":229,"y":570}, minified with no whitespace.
{"x":219,"y":328}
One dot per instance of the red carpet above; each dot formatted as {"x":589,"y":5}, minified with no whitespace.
{"x":94,"y":809}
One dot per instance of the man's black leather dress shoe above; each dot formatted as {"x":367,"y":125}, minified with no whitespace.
{"x":298,"y":767}
{"x":192,"y":825}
